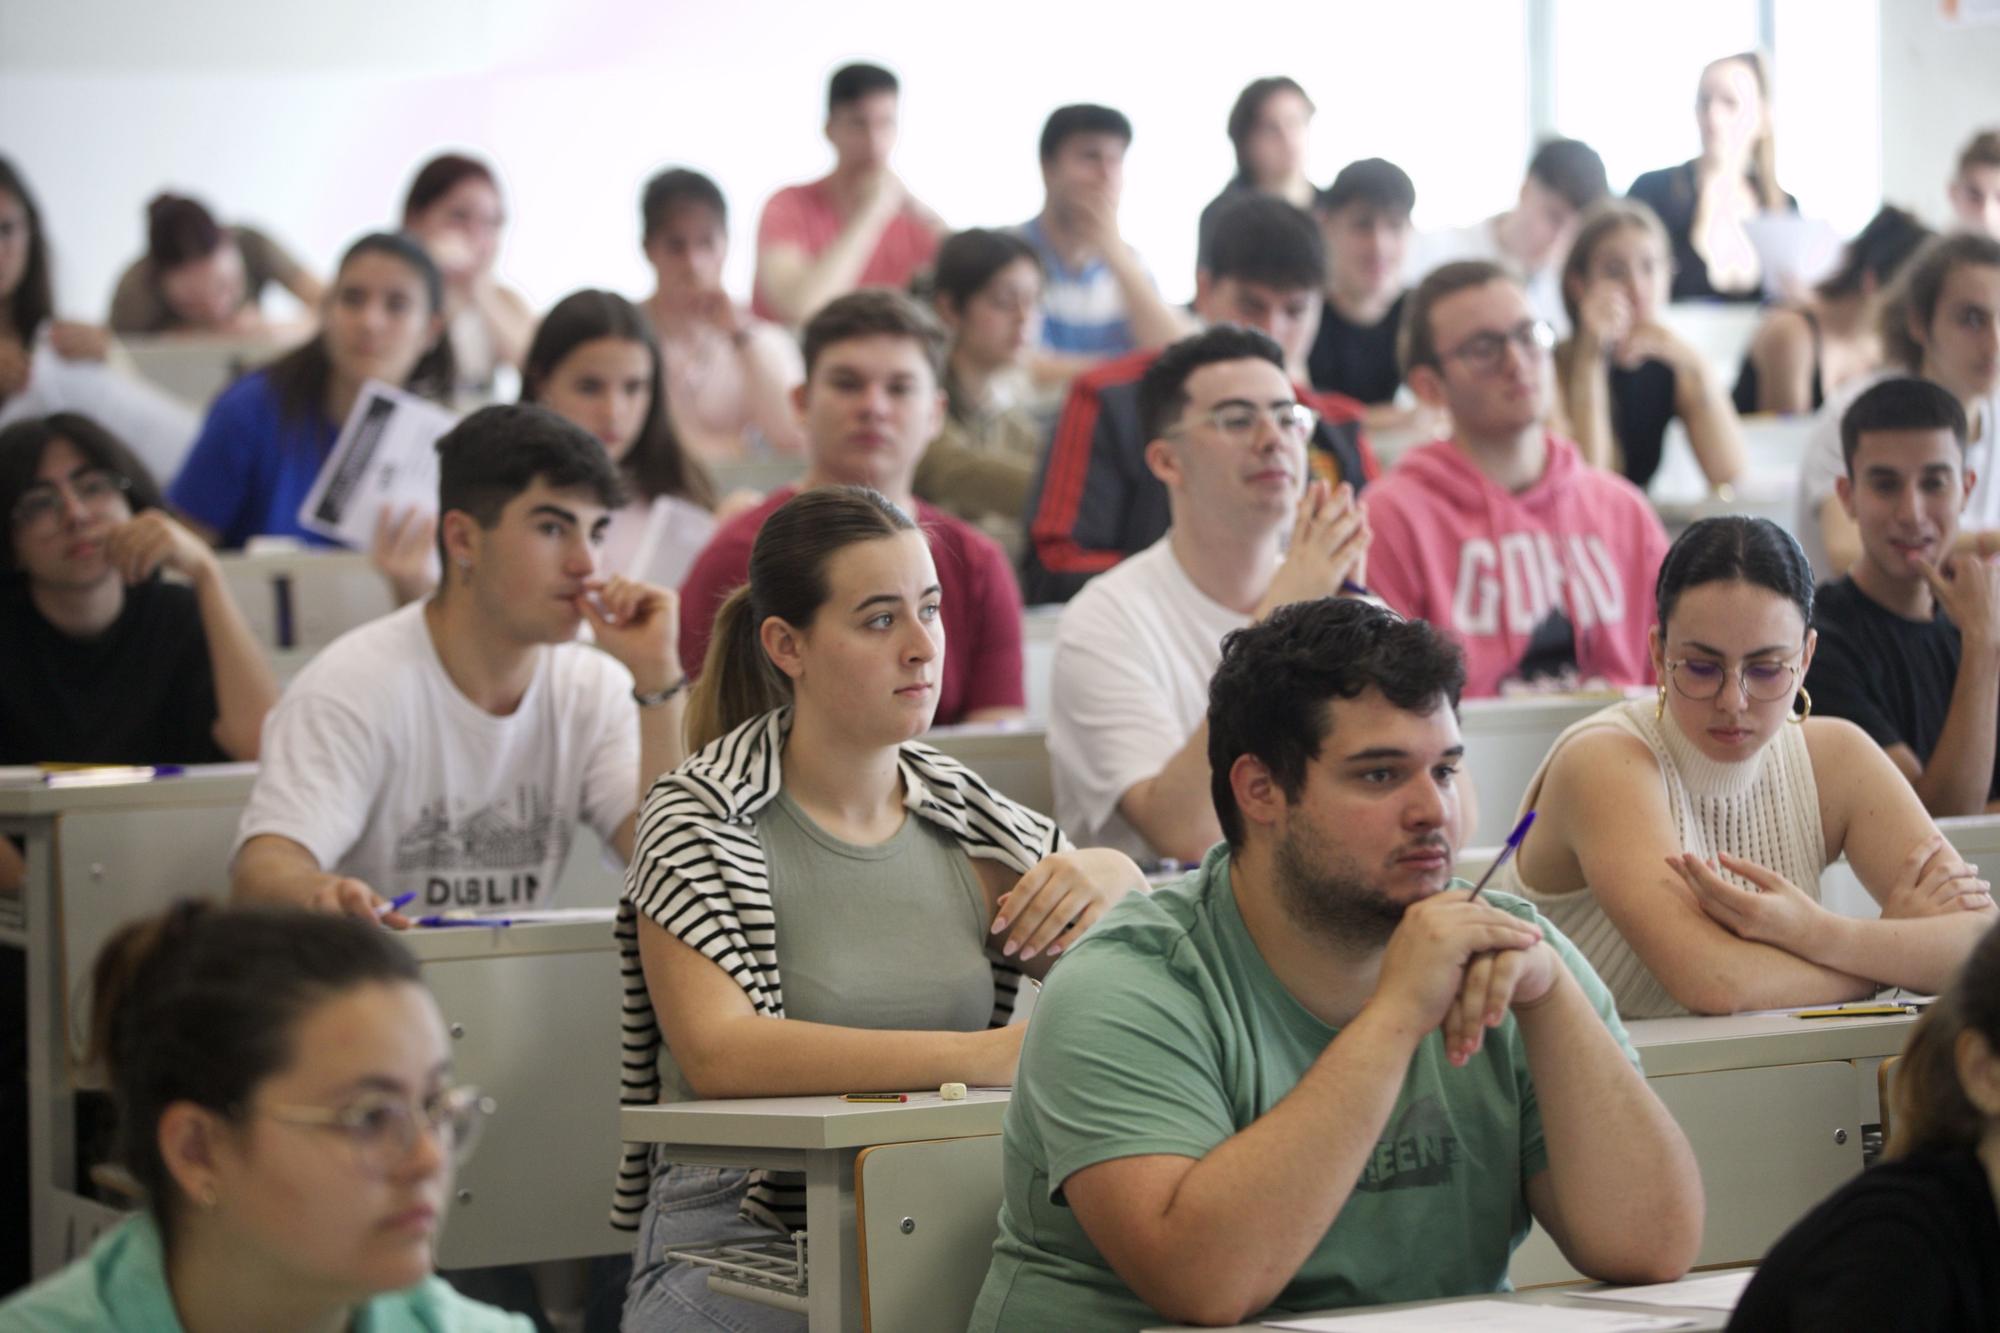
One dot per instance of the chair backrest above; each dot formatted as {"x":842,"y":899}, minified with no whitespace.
{"x":1013,"y":757}
{"x":926,"y":1214}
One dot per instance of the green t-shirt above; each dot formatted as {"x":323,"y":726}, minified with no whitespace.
{"x":1164,"y":1031}
{"x":121,"y":1287}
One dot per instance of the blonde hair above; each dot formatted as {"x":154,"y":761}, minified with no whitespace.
{"x":1600,"y":222}
{"x":1763,"y":153}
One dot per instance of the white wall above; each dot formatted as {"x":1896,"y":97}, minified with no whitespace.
{"x":308,"y":119}
{"x":1940,"y":84}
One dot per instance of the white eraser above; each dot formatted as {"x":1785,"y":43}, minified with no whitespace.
{"x":952,"y":1092}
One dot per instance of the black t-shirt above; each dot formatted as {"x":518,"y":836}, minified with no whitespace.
{"x":1355,"y":359}
{"x":1889,"y":676}
{"x":1642,"y":403}
{"x":140,"y":693}
{"x":1912,"y":1245}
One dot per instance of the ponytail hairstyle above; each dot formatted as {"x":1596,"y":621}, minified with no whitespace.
{"x":300,"y":377}
{"x":1735,"y":548}
{"x":33,"y":303}
{"x":657,"y":464}
{"x":199,"y":1004}
{"x":1913,"y":298}
{"x":787,"y":580}
{"x":1928,"y":1102}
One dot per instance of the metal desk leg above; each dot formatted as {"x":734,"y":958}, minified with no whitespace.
{"x":51,"y":1117}
{"x":834,"y":1288}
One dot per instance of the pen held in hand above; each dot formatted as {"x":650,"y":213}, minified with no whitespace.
{"x":1513,"y":845}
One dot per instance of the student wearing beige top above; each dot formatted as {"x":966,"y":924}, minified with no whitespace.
{"x":1679,"y":840}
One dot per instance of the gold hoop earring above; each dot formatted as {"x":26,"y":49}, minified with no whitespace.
{"x":1798,"y":719}
{"x":1660,"y":708}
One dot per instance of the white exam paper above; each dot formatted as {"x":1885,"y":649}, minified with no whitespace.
{"x":386,"y":457}
{"x":1487,"y":1317}
{"x":1706,"y":1291}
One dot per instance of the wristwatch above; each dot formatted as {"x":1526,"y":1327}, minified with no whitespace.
{"x":658,"y":697}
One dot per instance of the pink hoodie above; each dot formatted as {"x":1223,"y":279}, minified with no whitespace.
{"x":1557,"y":576}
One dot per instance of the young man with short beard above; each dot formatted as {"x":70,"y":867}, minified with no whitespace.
{"x":1313,"y":1073}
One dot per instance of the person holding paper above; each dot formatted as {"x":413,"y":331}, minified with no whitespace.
{"x":1912,"y":1244}
{"x":267,"y":435}
{"x":1314,"y":1072}
{"x":1624,"y":376}
{"x":1679,"y":840}
{"x":450,"y":748}
{"x":818,"y":902}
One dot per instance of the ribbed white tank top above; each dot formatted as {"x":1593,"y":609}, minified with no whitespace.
{"x":1764,"y":809}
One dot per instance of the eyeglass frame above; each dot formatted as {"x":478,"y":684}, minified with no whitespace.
{"x":461,"y":1098}
{"x":1791,"y":664}
{"x":1531,"y":336}
{"x":22,"y":519}
{"x":1306,"y":419}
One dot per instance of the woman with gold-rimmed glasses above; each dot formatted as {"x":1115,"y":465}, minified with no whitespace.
{"x":1679,"y":839}
{"x":285,"y":1108}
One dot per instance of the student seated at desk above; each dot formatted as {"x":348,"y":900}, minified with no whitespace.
{"x":453,"y":211}
{"x":268,"y":434}
{"x":107,"y":663}
{"x":1312,"y":1073}
{"x":1128,"y":747}
{"x":816,"y":898}
{"x":1679,"y":841}
{"x":871,"y":402}
{"x":1625,"y":376}
{"x":285,"y":1105}
{"x":448,"y":749}
{"x":1909,"y":640}
{"x":1914,"y":1243}
{"x":986,"y":288}
{"x":1094,"y":500}
{"x":1940,"y":320}
{"x":50,"y":365}
{"x":729,"y":375}
{"x":198,"y":277}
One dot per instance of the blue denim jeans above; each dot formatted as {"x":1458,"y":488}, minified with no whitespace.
{"x":695,"y":1205}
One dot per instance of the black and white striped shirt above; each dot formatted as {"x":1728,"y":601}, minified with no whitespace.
{"x":698,"y":871}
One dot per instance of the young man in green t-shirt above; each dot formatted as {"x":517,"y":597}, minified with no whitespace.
{"x":1309,"y":1074}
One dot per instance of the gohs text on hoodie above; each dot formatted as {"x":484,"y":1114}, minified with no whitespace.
{"x":1539,"y":585}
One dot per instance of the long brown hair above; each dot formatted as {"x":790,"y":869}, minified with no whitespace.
{"x":1929,"y":1108}
{"x":787,"y":580}
{"x":1763,"y":153}
{"x":300,"y":377}
{"x":657,"y":464}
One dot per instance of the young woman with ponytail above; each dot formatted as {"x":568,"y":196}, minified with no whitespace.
{"x":1914,"y":1243}
{"x":285,"y":1107}
{"x":786,"y":844}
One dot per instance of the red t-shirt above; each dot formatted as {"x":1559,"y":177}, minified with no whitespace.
{"x":981,"y":606}
{"x":805,"y":216}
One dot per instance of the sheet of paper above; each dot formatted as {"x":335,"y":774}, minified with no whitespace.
{"x":385,"y":458}
{"x":1704,"y":1291}
{"x":535,"y":916}
{"x":1487,"y":1317}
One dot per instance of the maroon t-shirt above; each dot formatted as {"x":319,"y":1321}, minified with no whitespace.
{"x":981,"y":606}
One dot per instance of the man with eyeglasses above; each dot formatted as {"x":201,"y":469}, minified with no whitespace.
{"x":1540,"y":566}
{"x":1909,"y":640}
{"x":1095,"y":500}
{"x":1252,"y":530}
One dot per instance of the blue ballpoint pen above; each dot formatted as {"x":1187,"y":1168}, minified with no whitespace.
{"x":1513,"y":843}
